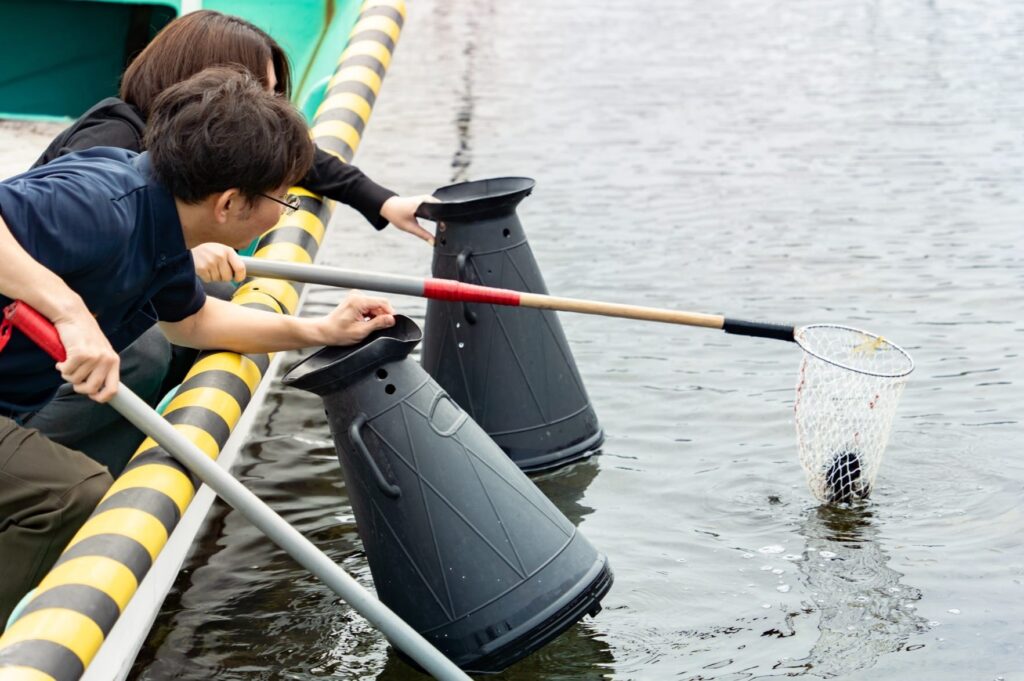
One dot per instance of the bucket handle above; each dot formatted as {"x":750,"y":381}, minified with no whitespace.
{"x":462,"y":265}
{"x":388,"y":488}
{"x":454,"y":426}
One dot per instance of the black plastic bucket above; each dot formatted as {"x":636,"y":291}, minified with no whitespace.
{"x":461,"y":544}
{"x":510,"y":368}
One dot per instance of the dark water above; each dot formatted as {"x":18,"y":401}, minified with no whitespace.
{"x":854,"y":162}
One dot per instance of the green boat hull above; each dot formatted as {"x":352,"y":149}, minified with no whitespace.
{"x":65,"y":55}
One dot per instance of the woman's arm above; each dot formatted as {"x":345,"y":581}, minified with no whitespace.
{"x":335,"y":179}
{"x":220,"y":325}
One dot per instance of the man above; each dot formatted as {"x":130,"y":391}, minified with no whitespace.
{"x":98,"y":243}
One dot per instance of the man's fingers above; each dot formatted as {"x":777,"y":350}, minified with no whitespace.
{"x":369,"y":305}
{"x":224,"y":270}
{"x":76,"y":370}
{"x":93,"y":384}
{"x":383,"y":321}
{"x":237,"y":267}
{"x":92,"y":375}
{"x":110,"y":385}
{"x":375,"y":307}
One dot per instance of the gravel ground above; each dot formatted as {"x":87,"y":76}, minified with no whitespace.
{"x":21,"y":142}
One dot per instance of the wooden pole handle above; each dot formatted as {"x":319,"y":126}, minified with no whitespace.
{"x":652,"y":314}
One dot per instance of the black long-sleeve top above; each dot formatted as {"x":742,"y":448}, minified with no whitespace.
{"x":114,"y":123}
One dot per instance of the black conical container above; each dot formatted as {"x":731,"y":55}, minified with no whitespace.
{"x":509,"y":367}
{"x":461,"y":544}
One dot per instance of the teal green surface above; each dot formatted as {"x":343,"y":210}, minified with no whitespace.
{"x":312,"y":32}
{"x":68,"y":54}
{"x":62,"y":57}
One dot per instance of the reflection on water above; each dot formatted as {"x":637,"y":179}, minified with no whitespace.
{"x":577,"y":655}
{"x":567,"y":486}
{"x":865,"y":611}
{"x":470,"y":37}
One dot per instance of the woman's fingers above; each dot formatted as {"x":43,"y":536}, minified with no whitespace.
{"x":400,"y":211}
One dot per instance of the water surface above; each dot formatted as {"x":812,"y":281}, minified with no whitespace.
{"x":822,"y":161}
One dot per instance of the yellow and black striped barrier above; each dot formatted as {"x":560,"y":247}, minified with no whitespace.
{"x":75,"y":606}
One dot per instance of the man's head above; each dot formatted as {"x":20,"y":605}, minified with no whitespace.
{"x":219,"y":141}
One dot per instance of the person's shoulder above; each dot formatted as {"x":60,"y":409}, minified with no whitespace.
{"x":97,"y":172}
{"x":114,"y":108}
{"x":111,"y":122}
{"x":99,"y":163}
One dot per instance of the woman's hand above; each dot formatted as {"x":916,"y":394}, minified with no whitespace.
{"x":400,"y":211}
{"x":354,"y":319}
{"x":91,"y":366}
{"x":217,"y":262}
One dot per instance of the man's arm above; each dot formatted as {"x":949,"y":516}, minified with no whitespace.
{"x":91,"y":365}
{"x":220,"y":325}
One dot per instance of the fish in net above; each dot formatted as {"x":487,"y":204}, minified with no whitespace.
{"x":849,"y":384}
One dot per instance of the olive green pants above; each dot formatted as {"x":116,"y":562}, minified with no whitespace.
{"x":47,"y":492}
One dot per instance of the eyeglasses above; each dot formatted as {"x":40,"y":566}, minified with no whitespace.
{"x":290,"y":202}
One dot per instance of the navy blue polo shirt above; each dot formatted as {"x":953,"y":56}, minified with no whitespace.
{"x":101,"y":221}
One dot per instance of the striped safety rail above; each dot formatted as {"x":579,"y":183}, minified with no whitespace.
{"x":78,"y":602}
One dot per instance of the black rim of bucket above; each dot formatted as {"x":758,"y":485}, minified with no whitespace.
{"x":385,"y":345}
{"x":477,"y":198}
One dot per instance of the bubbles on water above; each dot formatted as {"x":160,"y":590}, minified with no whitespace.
{"x":782,"y":588}
{"x":771,"y":549}
{"x":954,"y":611}
{"x":827,"y":555}
{"x":793,"y":557}
{"x":461,"y":344}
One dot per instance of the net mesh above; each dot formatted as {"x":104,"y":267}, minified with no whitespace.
{"x":849,"y":385}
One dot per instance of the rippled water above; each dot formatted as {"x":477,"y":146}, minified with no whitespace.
{"x":853,"y":162}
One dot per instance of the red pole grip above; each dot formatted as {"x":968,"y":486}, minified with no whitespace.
{"x":37,"y":327}
{"x":446,"y":289}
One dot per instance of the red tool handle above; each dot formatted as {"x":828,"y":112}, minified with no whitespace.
{"x":446,"y":289}
{"x":38,"y":328}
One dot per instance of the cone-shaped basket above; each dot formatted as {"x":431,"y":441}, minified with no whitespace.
{"x":510,"y":368}
{"x":461,"y":544}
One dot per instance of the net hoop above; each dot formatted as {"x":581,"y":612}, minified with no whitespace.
{"x":800,"y":335}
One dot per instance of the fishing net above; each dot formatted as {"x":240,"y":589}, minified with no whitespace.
{"x":849,"y":385}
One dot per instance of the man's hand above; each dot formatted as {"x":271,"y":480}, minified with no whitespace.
{"x":355,"y":318}
{"x":217,"y":262}
{"x":91,"y":366}
{"x":400,"y":211}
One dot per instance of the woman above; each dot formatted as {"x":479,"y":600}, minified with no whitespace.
{"x":183,"y":48}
